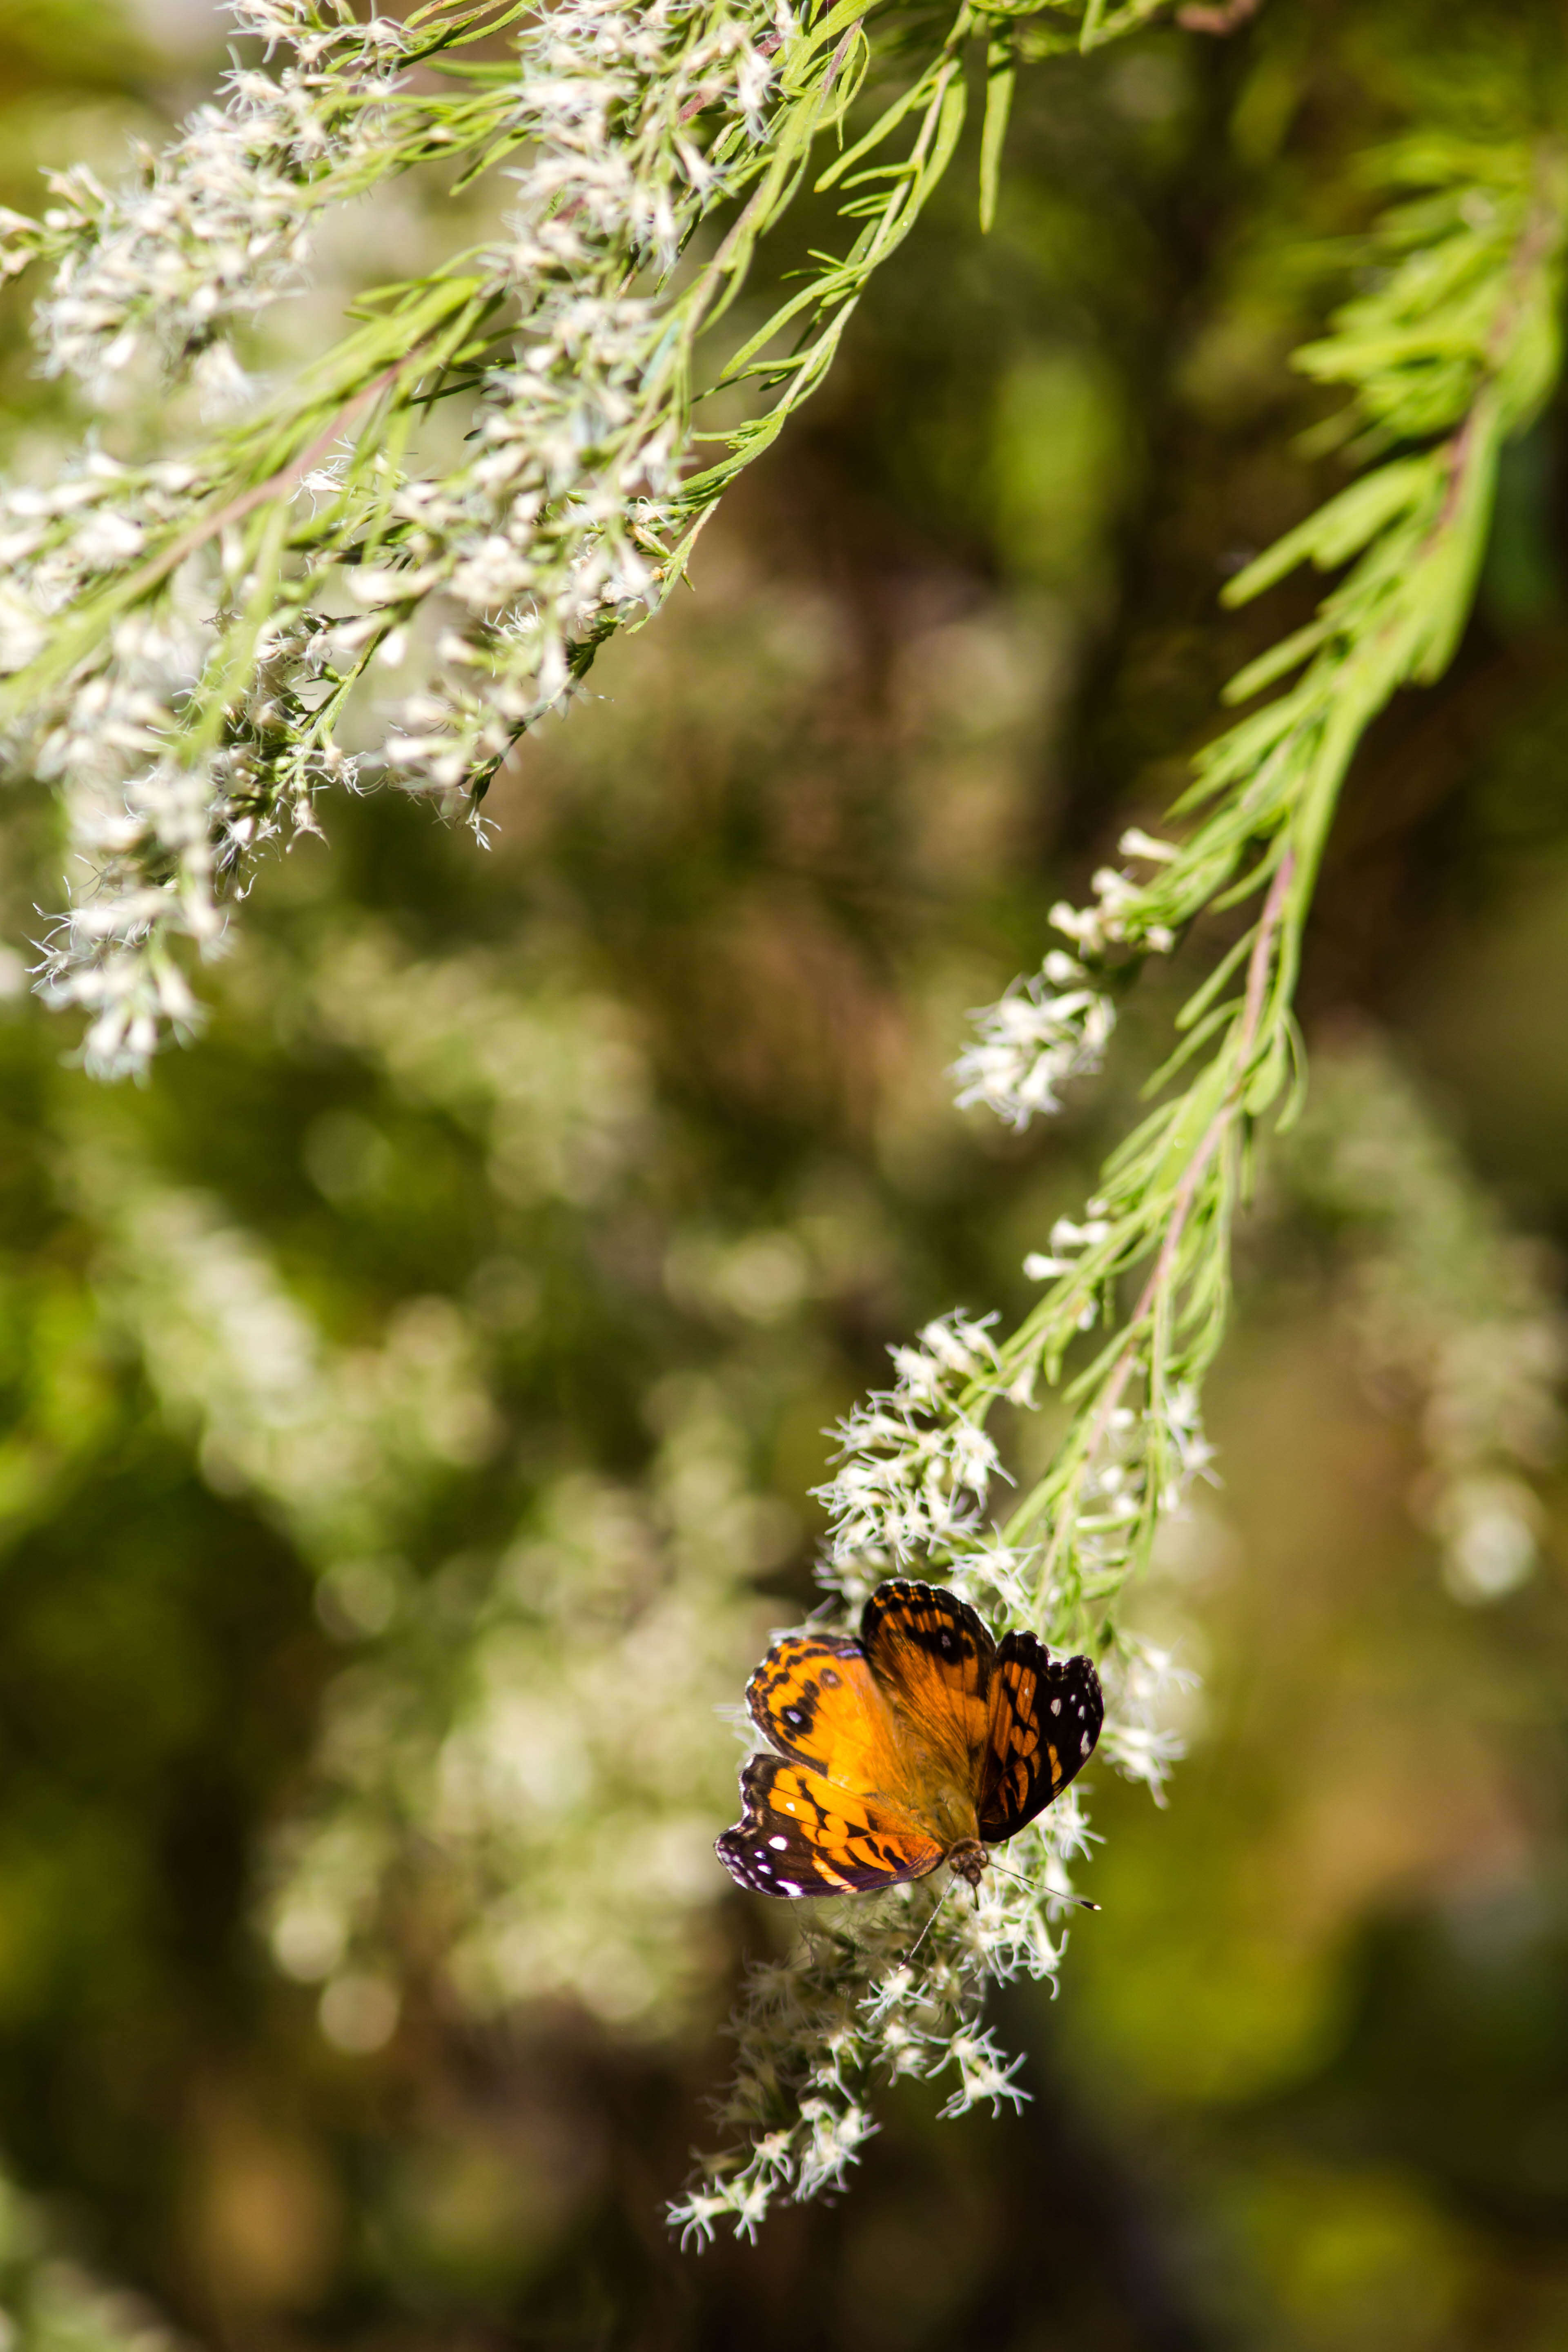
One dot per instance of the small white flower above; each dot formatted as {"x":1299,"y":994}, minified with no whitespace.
{"x":1135,"y":843}
{"x":1030,"y":1044}
{"x":984,"y":2073}
{"x":974,"y":1458}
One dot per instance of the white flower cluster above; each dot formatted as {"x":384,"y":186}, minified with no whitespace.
{"x":1492,"y":1421}
{"x":876,"y":1990}
{"x":152,"y":831}
{"x":559,"y":529}
{"x":564,"y":1772}
{"x":1140,"y":1683}
{"x":1056,"y":1026}
{"x":915,"y":1466}
{"x":141,"y":823}
{"x":204,"y":732}
{"x":341,"y":1444}
{"x":1125,"y":913}
{"x":556,"y":1084}
{"x":1031,"y":1043}
{"x":566,"y":1763}
{"x":220,"y":223}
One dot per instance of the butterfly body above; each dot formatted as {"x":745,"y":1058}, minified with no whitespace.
{"x":922,"y":1741}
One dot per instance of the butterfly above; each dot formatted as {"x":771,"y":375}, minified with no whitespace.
{"x":922,"y":1741}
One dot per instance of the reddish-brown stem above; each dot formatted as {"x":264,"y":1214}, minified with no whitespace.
{"x":839,"y":54}
{"x":1541,"y":228}
{"x":1228,"y":17}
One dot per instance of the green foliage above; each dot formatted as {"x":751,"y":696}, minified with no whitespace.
{"x":183,"y":608}
{"x":1462,"y":341}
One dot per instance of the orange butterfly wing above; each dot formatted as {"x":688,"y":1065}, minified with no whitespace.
{"x":932,"y":1656}
{"x":823,"y":1817}
{"x":801,"y":1833}
{"x":814,"y":1697}
{"x":1044,"y":1718}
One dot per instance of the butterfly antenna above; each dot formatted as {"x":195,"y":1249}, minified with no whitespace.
{"x":1053,"y":1893}
{"x":929,"y":1923}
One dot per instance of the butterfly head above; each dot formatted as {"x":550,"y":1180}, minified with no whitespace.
{"x":967,"y":1860}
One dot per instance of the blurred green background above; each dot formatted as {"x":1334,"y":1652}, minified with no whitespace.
{"x":411,"y":1397}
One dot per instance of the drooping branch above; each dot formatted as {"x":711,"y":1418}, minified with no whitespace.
{"x":1472,"y":264}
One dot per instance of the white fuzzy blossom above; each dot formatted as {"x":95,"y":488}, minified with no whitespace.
{"x":220,"y":223}
{"x":1055,"y":1025}
{"x":184,"y":736}
{"x":1125,"y":913}
{"x":1042,"y":1032}
{"x":559,"y":528}
{"x":876,"y":1990}
{"x":1068,"y":1239}
{"x":561,"y":1874}
{"x":915,"y":1467}
{"x":1492,"y":1422}
{"x":1143,"y":1685}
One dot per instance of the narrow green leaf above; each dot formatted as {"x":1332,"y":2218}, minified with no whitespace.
{"x":1000,"y":73}
{"x":1338,"y":529}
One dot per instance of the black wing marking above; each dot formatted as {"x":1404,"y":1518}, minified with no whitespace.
{"x":932,"y":1618}
{"x":1045,"y":1720}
